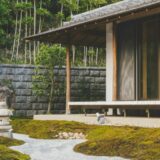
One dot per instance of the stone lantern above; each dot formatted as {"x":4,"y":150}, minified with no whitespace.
{"x":5,"y":113}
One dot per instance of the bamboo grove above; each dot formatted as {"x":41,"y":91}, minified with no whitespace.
{"x":21,"y":18}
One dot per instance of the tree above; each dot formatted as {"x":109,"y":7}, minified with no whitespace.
{"x":50,"y":57}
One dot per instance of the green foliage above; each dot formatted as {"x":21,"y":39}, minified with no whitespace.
{"x":43,"y":12}
{"x":23,"y":6}
{"x":50,"y":56}
{"x":46,"y":84}
{"x":49,"y":14}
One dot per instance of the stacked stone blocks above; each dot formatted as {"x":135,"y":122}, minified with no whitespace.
{"x":87,"y":84}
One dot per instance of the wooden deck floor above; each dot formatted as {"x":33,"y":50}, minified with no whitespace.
{"x":117,"y":104}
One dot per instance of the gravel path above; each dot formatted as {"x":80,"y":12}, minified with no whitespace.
{"x":53,"y":149}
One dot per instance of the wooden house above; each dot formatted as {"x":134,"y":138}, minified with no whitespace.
{"x":130,"y":32}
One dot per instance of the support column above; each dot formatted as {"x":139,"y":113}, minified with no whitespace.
{"x":111,"y":66}
{"x":109,"y":62}
{"x":68,"y":78}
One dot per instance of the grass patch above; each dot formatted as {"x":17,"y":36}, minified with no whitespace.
{"x":128,"y":142}
{"x":9,"y":154}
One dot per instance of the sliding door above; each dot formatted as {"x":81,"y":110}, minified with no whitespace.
{"x":126,"y":61}
{"x":150,"y":59}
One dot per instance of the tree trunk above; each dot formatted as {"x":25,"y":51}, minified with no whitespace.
{"x":39,"y":28}
{"x":62,"y":13}
{"x":30,"y":47}
{"x":34,"y":43}
{"x":26,"y":31}
{"x":74,"y":54}
{"x":50,"y":98}
{"x":97,"y":53}
{"x":15,"y":36}
{"x":19,"y":34}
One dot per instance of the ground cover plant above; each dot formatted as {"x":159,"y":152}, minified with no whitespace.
{"x":9,"y":154}
{"x":128,"y":142}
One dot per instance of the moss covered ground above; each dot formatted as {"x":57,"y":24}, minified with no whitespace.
{"x":9,"y":154}
{"x":128,"y":142}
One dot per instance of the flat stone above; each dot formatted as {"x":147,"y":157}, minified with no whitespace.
{"x":5,"y":112}
{"x":5,"y":127}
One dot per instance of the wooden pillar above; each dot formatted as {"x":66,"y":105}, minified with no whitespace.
{"x":68,"y":78}
{"x":114,"y":64}
{"x":144,"y":57}
{"x":110,"y":65}
{"x":111,"y":62}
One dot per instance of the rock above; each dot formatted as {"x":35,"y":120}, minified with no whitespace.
{"x":70,"y":135}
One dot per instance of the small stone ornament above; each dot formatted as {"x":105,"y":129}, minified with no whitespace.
{"x":5,"y":113}
{"x":101,"y":119}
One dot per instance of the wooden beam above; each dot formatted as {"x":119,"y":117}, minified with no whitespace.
{"x":139,"y":14}
{"x":68,"y":80}
{"x":114,"y":64}
{"x":159,"y":69}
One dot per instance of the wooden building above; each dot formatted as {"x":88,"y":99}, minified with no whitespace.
{"x":130,"y":32}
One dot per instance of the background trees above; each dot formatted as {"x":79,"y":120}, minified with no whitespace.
{"x":21,"y":18}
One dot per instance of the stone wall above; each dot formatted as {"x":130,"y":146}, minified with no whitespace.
{"x":87,"y":84}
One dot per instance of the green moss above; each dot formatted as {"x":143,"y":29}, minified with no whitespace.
{"x":47,"y":129}
{"x":10,"y":142}
{"x":128,"y":142}
{"x":9,"y":154}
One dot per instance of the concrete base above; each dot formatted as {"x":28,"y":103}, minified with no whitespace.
{"x":110,"y":121}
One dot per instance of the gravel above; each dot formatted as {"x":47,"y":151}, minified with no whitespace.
{"x":40,"y":149}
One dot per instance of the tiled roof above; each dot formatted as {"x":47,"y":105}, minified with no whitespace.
{"x":111,"y":10}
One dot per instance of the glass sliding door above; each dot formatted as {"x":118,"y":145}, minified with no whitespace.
{"x":150,"y":60}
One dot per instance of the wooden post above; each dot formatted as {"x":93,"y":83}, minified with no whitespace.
{"x":114,"y":64}
{"x":144,"y":57}
{"x":68,"y":74}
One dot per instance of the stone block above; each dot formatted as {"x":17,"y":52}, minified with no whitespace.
{"x":102,"y":73}
{"x":24,"y":71}
{"x":37,"y":106}
{"x":74,"y":72}
{"x":23,"y":92}
{"x":30,"y":113}
{"x":23,"y":106}
{"x":20,"y":113}
{"x":31,"y":99}
{"x":79,"y":79}
{"x":21,"y":99}
{"x":100,"y":80}
{"x":8,"y":71}
{"x":95,"y":73}
{"x":23,"y":78}
{"x":41,"y":112}
{"x":20,"y":85}
{"x":42,"y":99}
{"x":84,"y":72}
{"x":62,"y":72}
{"x":89,"y":79}
{"x":44,"y":106}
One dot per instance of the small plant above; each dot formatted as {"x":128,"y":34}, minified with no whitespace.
{"x":46,"y":84}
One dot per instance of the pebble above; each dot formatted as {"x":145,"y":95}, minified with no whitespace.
{"x":70,"y":135}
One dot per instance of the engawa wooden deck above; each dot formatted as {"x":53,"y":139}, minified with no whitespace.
{"x":124,"y":105}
